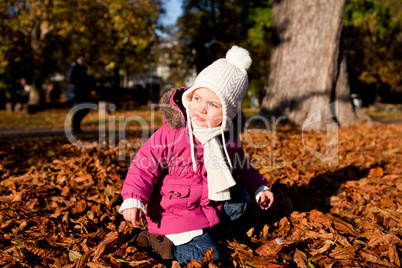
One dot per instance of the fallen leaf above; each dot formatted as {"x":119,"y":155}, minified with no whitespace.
{"x":83,"y":178}
{"x":74,"y":255}
{"x":82,"y":262}
{"x":208,"y":256}
{"x":341,"y":253}
{"x":271,"y":247}
{"x":344,"y":227}
{"x":98,"y":265}
{"x":300,"y":258}
{"x":389,"y":239}
{"x":79,"y":207}
{"x":107,"y":242}
{"x":376,"y":172}
{"x":370,"y":258}
{"x":327,"y":245}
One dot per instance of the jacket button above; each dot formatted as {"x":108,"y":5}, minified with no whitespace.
{"x":159,"y":239}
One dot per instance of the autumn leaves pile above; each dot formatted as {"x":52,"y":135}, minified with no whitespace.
{"x":59,"y":203}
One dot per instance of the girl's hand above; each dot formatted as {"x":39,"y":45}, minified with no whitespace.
{"x":266,"y":199}
{"x":133,"y":215}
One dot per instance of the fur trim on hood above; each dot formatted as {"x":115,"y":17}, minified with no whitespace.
{"x":172,"y":108}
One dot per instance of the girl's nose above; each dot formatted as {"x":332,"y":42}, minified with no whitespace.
{"x":202,"y":108}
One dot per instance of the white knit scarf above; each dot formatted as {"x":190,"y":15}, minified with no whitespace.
{"x":219,"y":175}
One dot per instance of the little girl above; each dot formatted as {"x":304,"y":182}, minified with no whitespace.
{"x":186,"y":176}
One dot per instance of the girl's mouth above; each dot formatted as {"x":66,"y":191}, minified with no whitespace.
{"x":199,"y":118}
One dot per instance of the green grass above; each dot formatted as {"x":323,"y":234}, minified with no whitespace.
{"x":48,"y":118}
{"x":384,"y":112}
{"x":250,"y":112}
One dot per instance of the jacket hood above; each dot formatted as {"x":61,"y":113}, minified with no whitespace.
{"x":172,"y":108}
{"x":174,"y":113}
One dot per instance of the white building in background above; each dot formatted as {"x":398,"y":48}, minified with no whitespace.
{"x":153,"y":83}
{"x":164,"y":71}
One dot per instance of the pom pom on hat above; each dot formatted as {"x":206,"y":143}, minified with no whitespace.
{"x":239,"y":57}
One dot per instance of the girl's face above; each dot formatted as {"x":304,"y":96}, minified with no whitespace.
{"x":205,"y":108}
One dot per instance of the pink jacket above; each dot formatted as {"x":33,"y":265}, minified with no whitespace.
{"x":162,"y":176}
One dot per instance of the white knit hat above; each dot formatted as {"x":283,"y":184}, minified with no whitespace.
{"x":227,"y":78}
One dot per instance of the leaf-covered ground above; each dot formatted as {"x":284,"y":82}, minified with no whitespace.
{"x":59,"y":203}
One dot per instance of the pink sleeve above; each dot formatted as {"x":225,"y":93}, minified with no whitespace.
{"x":147,"y":167}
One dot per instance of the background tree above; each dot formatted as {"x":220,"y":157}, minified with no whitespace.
{"x":49,"y":34}
{"x":308,"y":66}
{"x":208,"y":28}
{"x":259,"y":43}
{"x":203,"y":33}
{"x":372,"y":39}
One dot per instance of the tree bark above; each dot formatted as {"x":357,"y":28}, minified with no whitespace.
{"x":308,"y":69}
{"x":39,"y":31}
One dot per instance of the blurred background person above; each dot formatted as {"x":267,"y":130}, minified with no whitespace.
{"x":78,"y":91}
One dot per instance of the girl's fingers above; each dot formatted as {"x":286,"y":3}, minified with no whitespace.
{"x":266,"y":201}
{"x":265,"y":204}
{"x":132,"y":215}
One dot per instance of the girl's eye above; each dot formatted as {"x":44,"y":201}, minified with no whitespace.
{"x":213,"y":105}
{"x":196,"y":98}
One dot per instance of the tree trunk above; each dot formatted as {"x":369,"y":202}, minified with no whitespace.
{"x":36,"y":98}
{"x":308,"y":82}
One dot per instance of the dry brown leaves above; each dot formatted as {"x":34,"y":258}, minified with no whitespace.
{"x":59,"y":203}
{"x":348,"y":215}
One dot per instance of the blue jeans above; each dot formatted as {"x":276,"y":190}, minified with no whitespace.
{"x":232,"y":210}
